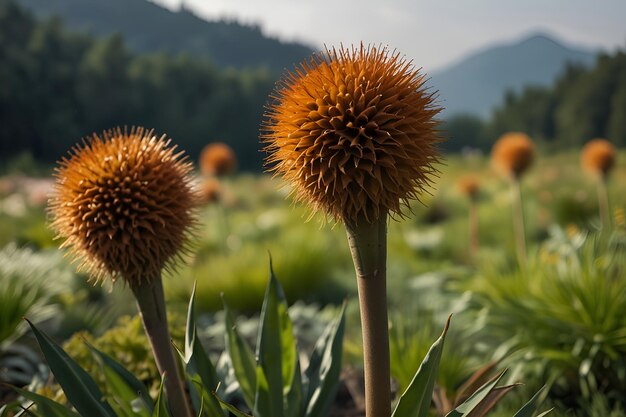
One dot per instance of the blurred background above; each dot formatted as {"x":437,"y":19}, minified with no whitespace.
{"x":202,"y":72}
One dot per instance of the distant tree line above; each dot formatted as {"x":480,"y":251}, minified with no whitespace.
{"x":582,"y":104}
{"x":57,"y":86}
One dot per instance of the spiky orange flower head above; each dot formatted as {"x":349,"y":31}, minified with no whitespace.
{"x":210,"y":190}
{"x":124,"y":202}
{"x":598,"y":156}
{"x":217,"y":159}
{"x":513,"y":154}
{"x":469,"y":186}
{"x":353,"y":131}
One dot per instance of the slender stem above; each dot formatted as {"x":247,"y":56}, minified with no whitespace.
{"x":151,"y":305}
{"x":518,"y":222}
{"x":603,"y":204}
{"x":473,"y":227}
{"x":368,"y":245}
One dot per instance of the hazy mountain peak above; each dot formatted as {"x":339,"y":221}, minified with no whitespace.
{"x":477,"y":83}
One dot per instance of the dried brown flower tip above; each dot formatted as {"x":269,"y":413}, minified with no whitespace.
{"x":513,"y":153}
{"x":598,"y":156}
{"x":210,"y":190}
{"x":217,"y":159}
{"x":469,"y":186}
{"x":353,"y":131}
{"x":124,"y":202}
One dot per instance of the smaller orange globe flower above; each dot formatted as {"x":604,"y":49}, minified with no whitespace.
{"x":217,"y":159}
{"x":124,"y":203}
{"x":598,"y":156}
{"x":469,"y":186}
{"x":513,"y":154}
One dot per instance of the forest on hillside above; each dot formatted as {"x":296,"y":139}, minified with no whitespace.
{"x":57,"y":86}
{"x":225,"y":41}
{"x":580,"y":105}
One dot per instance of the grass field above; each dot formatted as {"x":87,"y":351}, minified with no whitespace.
{"x":559,"y":321}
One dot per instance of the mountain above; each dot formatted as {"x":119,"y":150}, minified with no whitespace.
{"x":477,"y":83}
{"x":147,"y":27}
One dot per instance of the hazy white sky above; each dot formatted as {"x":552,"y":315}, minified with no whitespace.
{"x":433,"y":33}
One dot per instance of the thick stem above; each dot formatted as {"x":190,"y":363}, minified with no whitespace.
{"x":473,"y":227}
{"x":603,"y":204}
{"x":368,"y":245}
{"x":518,"y":222}
{"x":151,"y":304}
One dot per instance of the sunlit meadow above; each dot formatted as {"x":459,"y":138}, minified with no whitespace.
{"x":306,"y":235}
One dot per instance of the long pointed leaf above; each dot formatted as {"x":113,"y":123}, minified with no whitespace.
{"x":531,"y":406}
{"x":263,"y":405}
{"x":242,"y":359}
{"x":276,"y":347}
{"x":476,"y":398}
{"x":491,"y":400}
{"x":125,"y":402}
{"x":477,"y":380}
{"x":416,"y":399}
{"x":79,"y":387}
{"x":209,"y":404}
{"x":123,"y":383}
{"x":197,"y":363}
{"x":234,"y":410}
{"x":294,"y":398}
{"x":312,"y":372}
{"x":160,"y":408}
{"x":46,"y":406}
{"x":327,"y":370}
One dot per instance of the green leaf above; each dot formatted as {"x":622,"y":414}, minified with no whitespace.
{"x":124,"y":385}
{"x":234,"y":410}
{"x":160,"y":409}
{"x":125,"y":401}
{"x":242,"y":359}
{"x":276,"y":346}
{"x":14,"y":408}
{"x":491,"y":400}
{"x":324,"y":368}
{"x":415,"y":401}
{"x":80,"y":388}
{"x":263,"y":405}
{"x":476,"y":398}
{"x":197,"y":363}
{"x":207,"y":403}
{"x":531,"y":406}
{"x":46,"y":406}
{"x":293,"y":408}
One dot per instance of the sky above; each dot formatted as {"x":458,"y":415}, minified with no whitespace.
{"x":433,"y":33}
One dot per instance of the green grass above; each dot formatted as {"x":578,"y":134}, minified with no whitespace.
{"x":561,"y":323}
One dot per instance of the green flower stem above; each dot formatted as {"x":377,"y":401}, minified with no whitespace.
{"x":151,"y":304}
{"x":603,"y":204}
{"x":368,"y":245}
{"x":473,"y":226}
{"x":518,"y":222}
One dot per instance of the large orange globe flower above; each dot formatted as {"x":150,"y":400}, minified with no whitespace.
{"x":353,"y":131}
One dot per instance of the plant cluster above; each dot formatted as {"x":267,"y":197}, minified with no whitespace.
{"x":354,"y":133}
